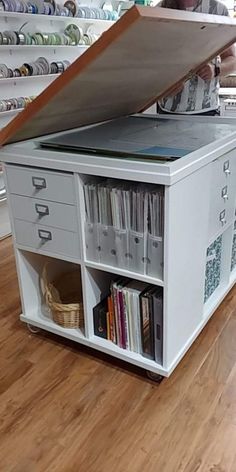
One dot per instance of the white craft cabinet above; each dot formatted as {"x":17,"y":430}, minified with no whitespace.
{"x":46,"y":200}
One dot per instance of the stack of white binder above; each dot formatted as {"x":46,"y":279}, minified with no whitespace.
{"x":124,"y":225}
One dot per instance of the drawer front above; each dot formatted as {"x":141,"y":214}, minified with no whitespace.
{"x":223,"y":193}
{"x":3,"y":192}
{"x":45,"y":238}
{"x":44,"y":212}
{"x":44,"y":185}
{"x":5,"y":227}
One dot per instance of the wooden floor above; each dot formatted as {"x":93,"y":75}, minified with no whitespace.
{"x":63,"y":409}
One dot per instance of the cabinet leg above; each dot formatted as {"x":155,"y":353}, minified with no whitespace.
{"x":33,"y":329}
{"x":153,"y":376}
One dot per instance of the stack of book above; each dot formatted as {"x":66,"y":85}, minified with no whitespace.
{"x":131,"y":316}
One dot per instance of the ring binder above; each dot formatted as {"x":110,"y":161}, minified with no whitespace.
{"x":92,"y":242}
{"x":122,"y":249}
{"x":107,"y":243}
{"x":154,"y":256}
{"x":137,"y":261}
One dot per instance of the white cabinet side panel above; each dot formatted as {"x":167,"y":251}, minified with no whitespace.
{"x":186,"y":226}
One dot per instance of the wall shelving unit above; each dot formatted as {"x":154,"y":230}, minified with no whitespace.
{"x":15,"y":55}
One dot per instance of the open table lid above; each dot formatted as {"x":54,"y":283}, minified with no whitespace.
{"x":132,"y":65}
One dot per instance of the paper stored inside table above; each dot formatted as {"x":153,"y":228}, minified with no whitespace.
{"x":142,"y":136}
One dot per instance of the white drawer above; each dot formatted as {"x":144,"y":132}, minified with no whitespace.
{"x":5,"y":227}
{"x":44,"y":212}
{"x":223,"y":193}
{"x":45,"y":238}
{"x":41,"y":184}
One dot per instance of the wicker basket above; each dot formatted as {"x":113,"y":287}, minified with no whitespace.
{"x":63,"y":297}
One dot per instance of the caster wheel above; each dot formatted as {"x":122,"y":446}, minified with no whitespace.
{"x":33,"y":329}
{"x":153,"y":376}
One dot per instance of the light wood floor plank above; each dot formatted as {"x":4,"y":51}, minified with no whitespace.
{"x":65,"y":408}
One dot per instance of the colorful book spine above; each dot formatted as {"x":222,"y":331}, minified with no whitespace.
{"x":117,"y":315}
{"x":108,"y":326}
{"x":111,"y":319}
{"x":147,"y":328}
{"x":100,"y":319}
{"x":132,"y":317}
{"x":158,"y":324}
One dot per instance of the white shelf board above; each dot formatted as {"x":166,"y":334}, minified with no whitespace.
{"x":95,"y":342}
{"x":9,"y":80}
{"x":110,"y":348}
{"x":125,"y":273}
{"x":227,"y":91}
{"x":62,"y":257}
{"x":49,"y":325}
{"x":10,"y":112}
{"x":18,"y":47}
{"x":65,"y":19}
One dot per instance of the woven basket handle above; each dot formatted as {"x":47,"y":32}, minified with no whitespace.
{"x":48,"y":290}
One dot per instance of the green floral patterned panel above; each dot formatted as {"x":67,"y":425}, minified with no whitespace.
{"x":233,"y":260}
{"x":213,"y":267}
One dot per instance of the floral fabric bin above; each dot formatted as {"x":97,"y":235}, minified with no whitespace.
{"x":213,"y":267}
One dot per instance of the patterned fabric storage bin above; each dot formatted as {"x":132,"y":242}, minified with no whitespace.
{"x":233,"y":259}
{"x":213,"y":267}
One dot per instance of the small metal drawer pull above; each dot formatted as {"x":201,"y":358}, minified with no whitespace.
{"x":39,"y":182}
{"x":226,"y":168}
{"x":42,"y":210}
{"x":222,"y":217}
{"x":224,"y":193}
{"x":45,"y":235}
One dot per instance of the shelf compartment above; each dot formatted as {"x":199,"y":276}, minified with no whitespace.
{"x":125,"y":273}
{"x":30,"y":267}
{"x":10,"y":56}
{"x":54,"y":19}
{"x":98,"y":287}
{"x":120,"y":238}
{"x":13,"y":80}
{"x":13,"y":47}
